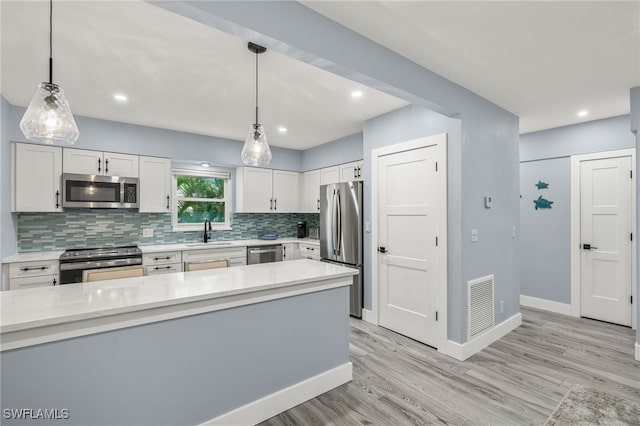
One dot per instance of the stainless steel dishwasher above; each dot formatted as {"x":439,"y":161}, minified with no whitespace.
{"x":264,"y":254}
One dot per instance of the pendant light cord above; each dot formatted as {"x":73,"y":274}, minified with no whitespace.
{"x":256,"y":87}
{"x":50,"y":41}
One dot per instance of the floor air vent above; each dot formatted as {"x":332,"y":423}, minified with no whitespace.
{"x":481,"y":315}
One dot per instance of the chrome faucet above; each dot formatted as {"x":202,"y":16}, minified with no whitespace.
{"x":206,"y":234}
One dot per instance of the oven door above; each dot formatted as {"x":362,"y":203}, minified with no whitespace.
{"x":71,"y":272}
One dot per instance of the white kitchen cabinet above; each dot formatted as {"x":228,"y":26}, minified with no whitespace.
{"x":24,"y":275}
{"x":155,"y":185}
{"x":351,"y":171}
{"x":329,"y":175}
{"x":84,"y":161}
{"x":235,"y":256}
{"x":37,"y":178}
{"x":290,"y":251}
{"x":309,"y":251}
{"x":310,"y":192}
{"x":266,"y":191}
{"x":162,"y":263}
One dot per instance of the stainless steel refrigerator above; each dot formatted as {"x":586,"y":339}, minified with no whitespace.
{"x":341,"y":232}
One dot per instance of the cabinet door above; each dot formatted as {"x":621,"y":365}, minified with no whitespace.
{"x":124,"y":165}
{"x":155,"y":185}
{"x":290,"y":251}
{"x":351,"y":171}
{"x":254,"y":190}
{"x":37,"y":178}
{"x":310,"y":194}
{"x":31,"y":282}
{"x":285,"y":191}
{"x":329,"y":175}
{"x":82,"y":161}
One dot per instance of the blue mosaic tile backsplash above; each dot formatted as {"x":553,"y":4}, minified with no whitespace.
{"x":99,"y":228}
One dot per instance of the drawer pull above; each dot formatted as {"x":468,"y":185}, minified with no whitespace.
{"x":157,"y":268}
{"x":162,"y":258}
{"x":37,"y":268}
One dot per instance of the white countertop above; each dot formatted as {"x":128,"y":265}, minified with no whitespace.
{"x":39,"y":256}
{"x":64,"y":304}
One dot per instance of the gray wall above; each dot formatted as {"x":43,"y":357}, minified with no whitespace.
{"x":545,"y":256}
{"x":343,"y":150}
{"x":545,"y":234}
{"x":489,"y":133}
{"x":183,"y":371}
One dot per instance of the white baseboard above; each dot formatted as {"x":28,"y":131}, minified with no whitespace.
{"x":282,"y":400}
{"x":367,"y":315}
{"x":465,"y":350}
{"x":637,"y":351}
{"x":545,"y":305}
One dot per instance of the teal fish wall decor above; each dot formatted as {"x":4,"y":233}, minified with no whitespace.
{"x":542,"y":185}
{"x":542,"y":203}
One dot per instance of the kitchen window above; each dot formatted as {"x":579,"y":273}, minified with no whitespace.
{"x":201,"y":195}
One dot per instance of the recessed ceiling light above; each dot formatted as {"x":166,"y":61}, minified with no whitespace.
{"x":205,"y":164}
{"x":583,"y":113}
{"x":120,"y":97}
{"x":356,"y":94}
{"x":282,"y":129}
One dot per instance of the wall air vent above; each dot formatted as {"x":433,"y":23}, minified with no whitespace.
{"x":481,"y":307}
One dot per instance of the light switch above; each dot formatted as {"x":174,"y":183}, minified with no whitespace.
{"x":513,"y":232}
{"x":474,"y":235}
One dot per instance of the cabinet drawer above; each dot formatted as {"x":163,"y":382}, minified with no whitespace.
{"x":162,"y":258}
{"x":33,"y":269}
{"x":32,"y":282}
{"x":163,"y":268}
{"x":232,"y":254}
{"x":309,"y":251}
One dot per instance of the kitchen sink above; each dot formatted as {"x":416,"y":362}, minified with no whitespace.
{"x":224,"y":243}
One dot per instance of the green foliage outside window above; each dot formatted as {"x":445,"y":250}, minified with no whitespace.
{"x":197,"y":199}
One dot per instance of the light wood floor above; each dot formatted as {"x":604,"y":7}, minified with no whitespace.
{"x":518,"y":380}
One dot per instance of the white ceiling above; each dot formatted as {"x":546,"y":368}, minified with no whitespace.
{"x":543,"y":61}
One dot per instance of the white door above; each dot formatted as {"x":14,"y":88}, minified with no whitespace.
{"x":123,"y":165}
{"x":329,"y":175}
{"x":285,"y":191}
{"x":310,"y":192}
{"x":606,"y":246}
{"x":38,"y":175}
{"x":408,"y":199}
{"x":155,"y":185}
{"x":254,"y":187}
{"x":82,"y":161}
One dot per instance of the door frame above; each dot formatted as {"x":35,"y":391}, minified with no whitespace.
{"x":575,"y":227}
{"x":440,"y":141}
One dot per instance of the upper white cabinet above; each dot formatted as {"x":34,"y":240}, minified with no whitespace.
{"x":37,"y":176}
{"x":310,"y":192}
{"x":85,"y":161}
{"x":329,"y":175}
{"x":155,"y":185}
{"x":266,"y":191}
{"x":351,"y":171}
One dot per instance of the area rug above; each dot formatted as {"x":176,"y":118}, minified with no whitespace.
{"x":583,"y":406}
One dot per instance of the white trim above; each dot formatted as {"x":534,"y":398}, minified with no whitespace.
{"x":575,"y":227}
{"x":440,"y":140}
{"x":545,"y":305}
{"x":368,"y":316}
{"x":637,"y":351}
{"x":465,"y":350}
{"x":35,"y":335}
{"x":264,"y":408}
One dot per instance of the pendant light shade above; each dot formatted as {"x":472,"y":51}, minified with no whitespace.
{"x":256,"y":151}
{"x":48,"y":118}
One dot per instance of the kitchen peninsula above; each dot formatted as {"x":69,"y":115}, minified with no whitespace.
{"x":226,"y":346}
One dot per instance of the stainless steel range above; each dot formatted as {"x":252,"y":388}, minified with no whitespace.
{"x":73,"y":262}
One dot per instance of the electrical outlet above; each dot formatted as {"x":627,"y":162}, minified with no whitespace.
{"x":474,"y":235}
{"x":501,"y":304}
{"x":513,"y":232}
{"x":147,"y":232}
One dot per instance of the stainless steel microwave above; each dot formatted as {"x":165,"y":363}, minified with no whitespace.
{"x":100,"y":192}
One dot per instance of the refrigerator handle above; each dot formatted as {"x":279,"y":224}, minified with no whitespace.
{"x":334,"y":222}
{"x":338,"y":222}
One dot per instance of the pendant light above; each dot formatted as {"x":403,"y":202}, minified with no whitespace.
{"x":48,"y":118}
{"x":255,"y":151}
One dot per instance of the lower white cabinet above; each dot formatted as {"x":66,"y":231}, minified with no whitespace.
{"x":309,"y":251}
{"x":290,"y":251}
{"x":33,"y":274}
{"x":235,"y":256}
{"x":162,"y":263}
